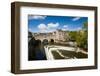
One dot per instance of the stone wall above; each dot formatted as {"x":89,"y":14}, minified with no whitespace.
{"x":57,"y":36}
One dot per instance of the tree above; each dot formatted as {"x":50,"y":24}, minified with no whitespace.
{"x":80,"y":37}
{"x":72,"y":35}
{"x":85,"y":26}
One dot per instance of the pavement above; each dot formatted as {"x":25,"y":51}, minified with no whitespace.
{"x":50,"y":48}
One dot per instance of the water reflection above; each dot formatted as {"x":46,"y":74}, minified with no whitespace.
{"x":36,"y":50}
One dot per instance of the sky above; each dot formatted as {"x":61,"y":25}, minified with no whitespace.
{"x":43,"y":23}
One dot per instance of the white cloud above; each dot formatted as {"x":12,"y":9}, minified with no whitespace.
{"x":64,"y":29}
{"x":52,"y":25}
{"x":79,"y":28}
{"x":74,"y":29}
{"x":48,"y":28}
{"x":76,"y":18}
{"x":65,"y":26}
{"x":37,"y":17}
{"x":42,"y":27}
{"x":30,"y":29}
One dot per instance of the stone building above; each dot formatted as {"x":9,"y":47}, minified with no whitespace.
{"x":57,"y":36}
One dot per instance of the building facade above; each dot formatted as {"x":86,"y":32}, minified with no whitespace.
{"x":57,"y":36}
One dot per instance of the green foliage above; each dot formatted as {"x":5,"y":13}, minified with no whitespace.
{"x":85,"y":26}
{"x":72,"y":35}
{"x":80,"y":37}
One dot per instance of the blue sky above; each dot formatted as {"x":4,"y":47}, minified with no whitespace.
{"x":40,"y":23}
